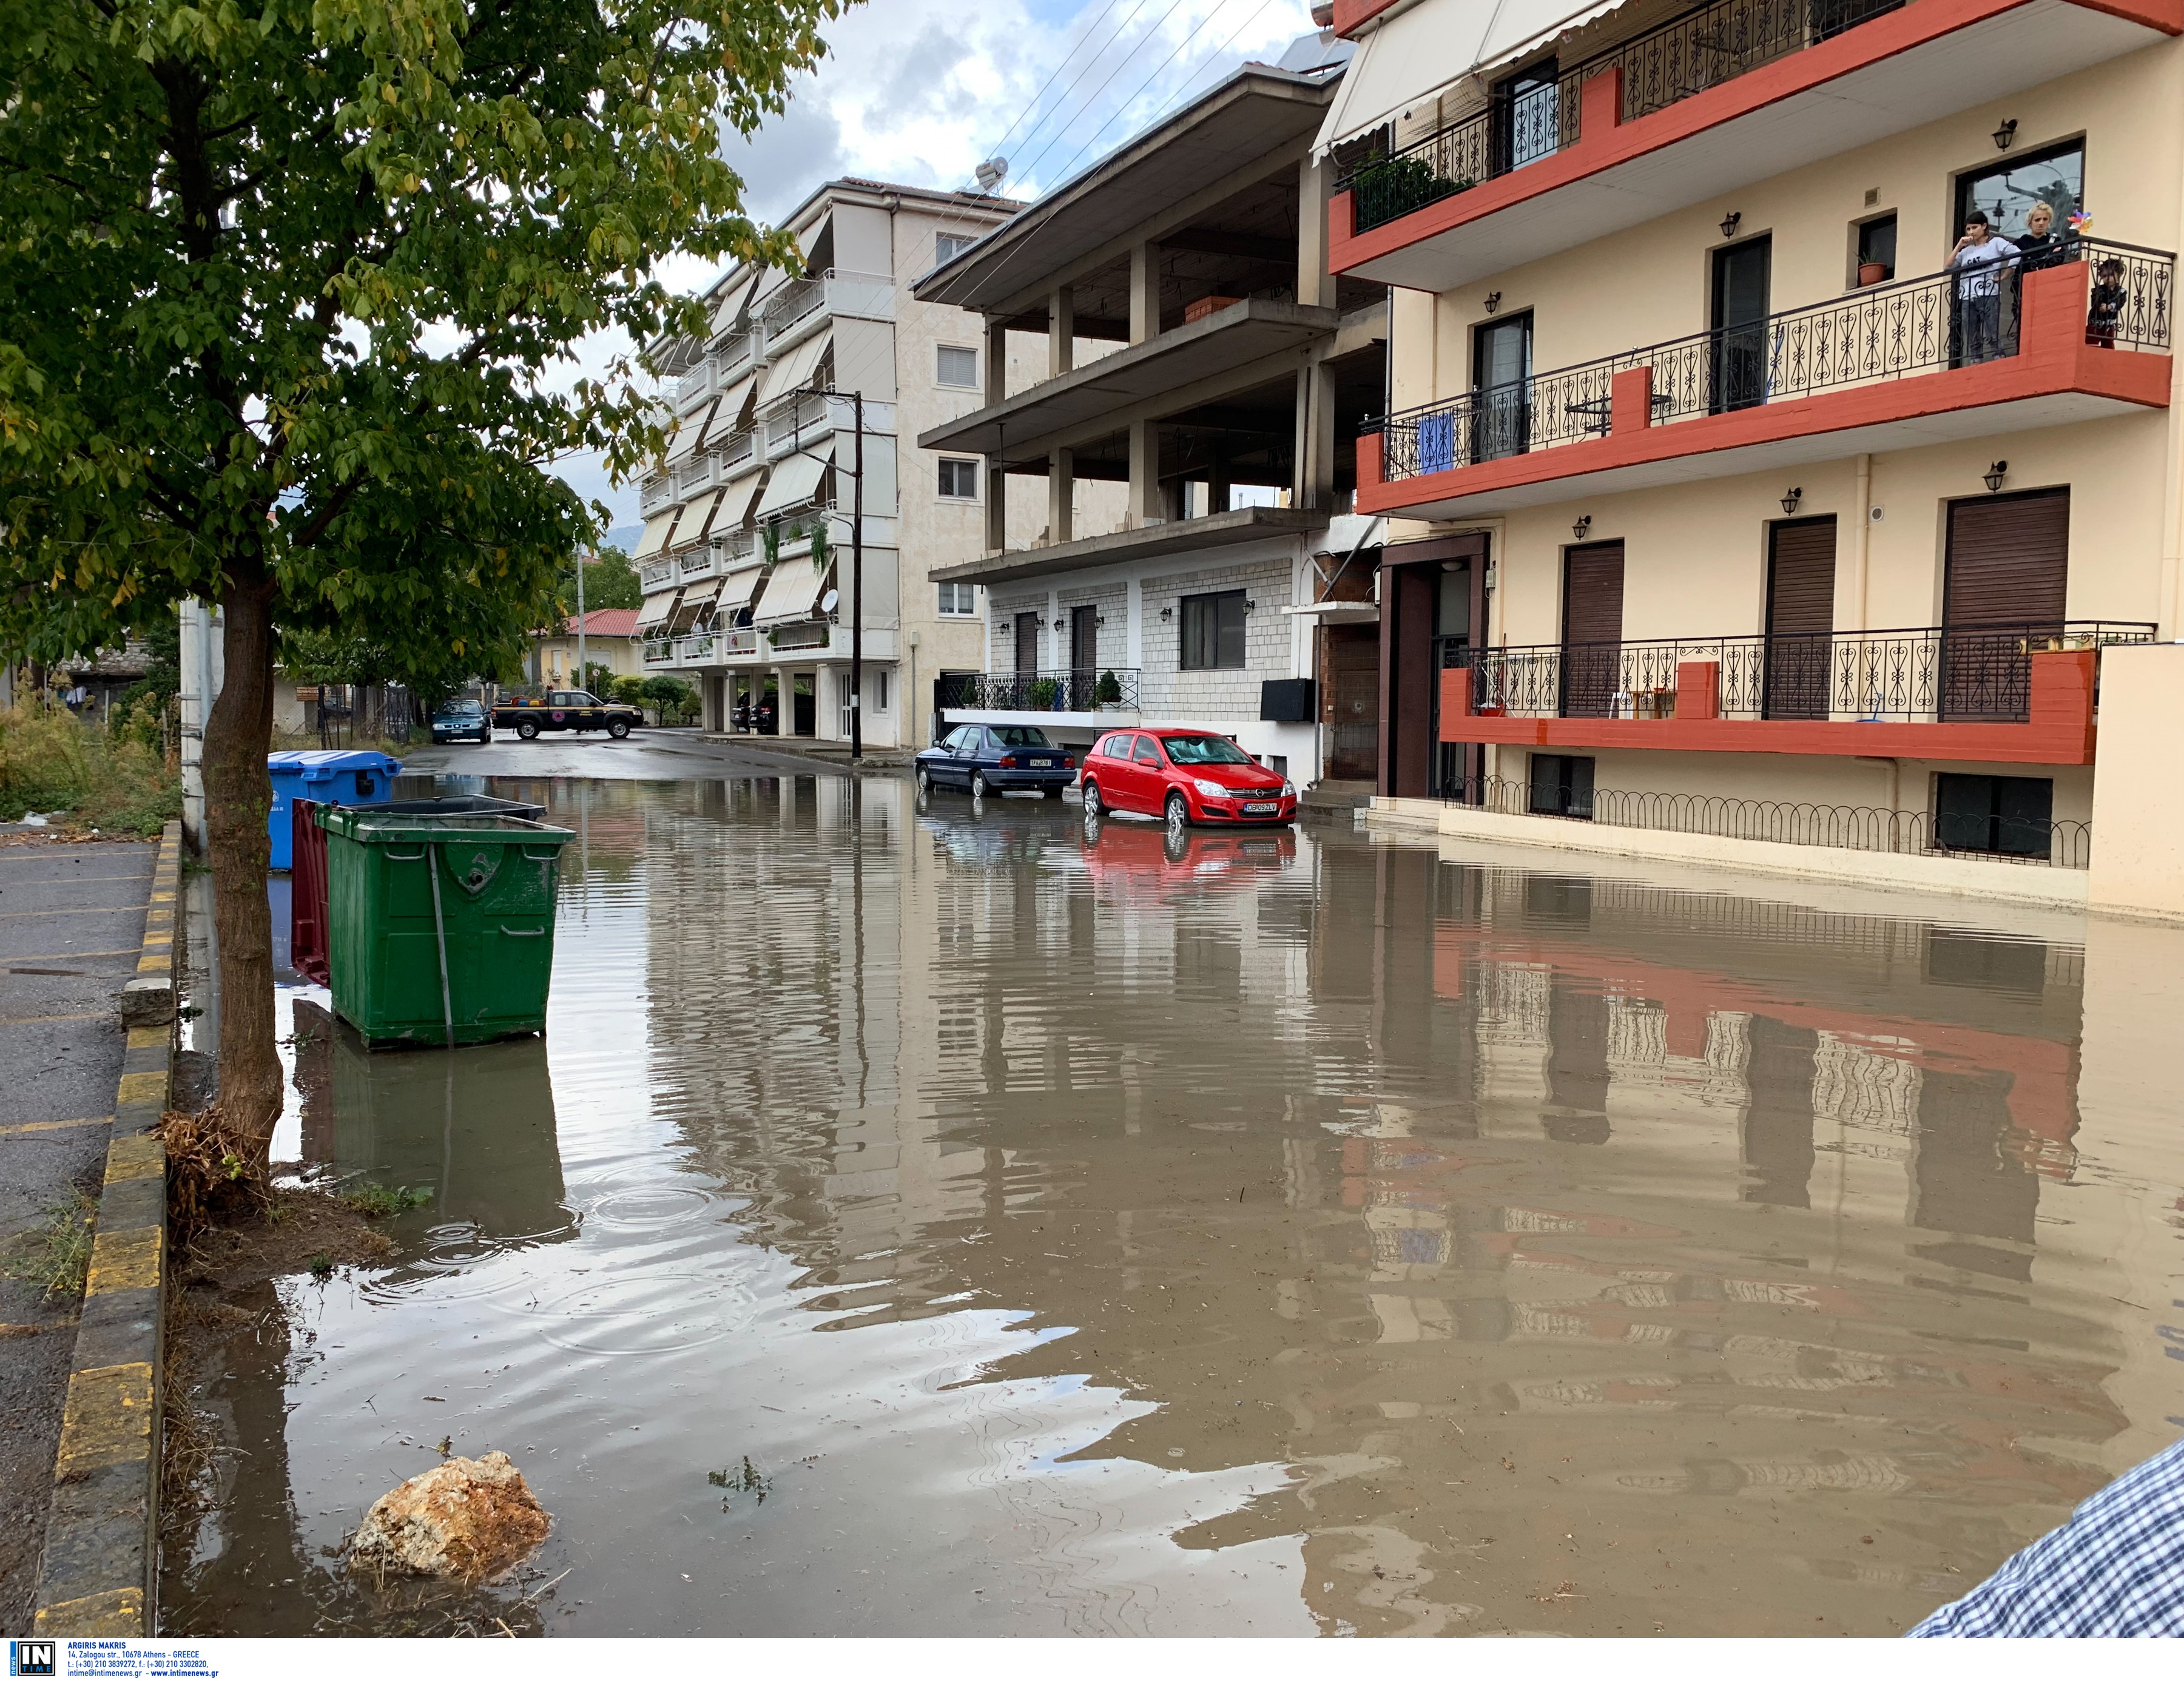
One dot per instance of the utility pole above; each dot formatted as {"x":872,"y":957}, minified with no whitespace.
{"x":583,"y":678}
{"x":857,"y":591}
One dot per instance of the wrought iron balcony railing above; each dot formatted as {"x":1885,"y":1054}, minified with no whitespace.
{"x":1883,"y":333}
{"x":1107,"y":687}
{"x":1944,"y":674}
{"x":1702,"y":49}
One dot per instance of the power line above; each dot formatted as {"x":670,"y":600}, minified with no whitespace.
{"x":1093,"y":98}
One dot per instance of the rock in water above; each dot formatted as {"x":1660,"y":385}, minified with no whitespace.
{"x":473,"y":1519}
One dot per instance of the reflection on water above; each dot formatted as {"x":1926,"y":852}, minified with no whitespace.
{"x":1089,"y":1230}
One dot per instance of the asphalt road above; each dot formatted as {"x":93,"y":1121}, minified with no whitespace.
{"x":646,"y":755}
{"x":71,"y":929}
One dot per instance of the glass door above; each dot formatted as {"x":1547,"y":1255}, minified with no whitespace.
{"x":1500,"y":387}
{"x":1741,"y":276}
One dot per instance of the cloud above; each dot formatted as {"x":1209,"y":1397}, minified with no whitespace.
{"x":921,"y":92}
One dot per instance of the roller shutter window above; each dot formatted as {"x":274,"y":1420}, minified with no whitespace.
{"x":1592,"y":629}
{"x":1801,"y":609}
{"x":2003,"y":587}
{"x":1026,"y":627}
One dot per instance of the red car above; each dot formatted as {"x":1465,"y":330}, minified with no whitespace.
{"x":1184,"y":775}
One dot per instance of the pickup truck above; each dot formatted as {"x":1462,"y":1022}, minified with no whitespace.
{"x":567,"y":709}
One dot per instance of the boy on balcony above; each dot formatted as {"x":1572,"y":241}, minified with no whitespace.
{"x":1978,"y":260}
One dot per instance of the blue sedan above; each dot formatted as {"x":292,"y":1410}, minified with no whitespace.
{"x":995,"y":759}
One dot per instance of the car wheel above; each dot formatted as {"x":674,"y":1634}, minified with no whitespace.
{"x":1092,"y":806}
{"x":619,"y":729}
{"x":924,"y":783}
{"x":980,"y":787}
{"x":526,"y":731}
{"x":1178,"y":814}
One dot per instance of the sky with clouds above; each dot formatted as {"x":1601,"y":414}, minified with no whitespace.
{"x":920,"y":90}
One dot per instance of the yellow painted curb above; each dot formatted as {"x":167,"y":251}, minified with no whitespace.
{"x":149,"y":1038}
{"x":125,"y":1260}
{"x":137,"y":1157}
{"x":108,"y":1420}
{"x":118,"y":1613}
{"x":149,"y":1086}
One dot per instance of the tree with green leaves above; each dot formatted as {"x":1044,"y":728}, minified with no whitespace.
{"x":286,"y":294}
{"x":610,"y":581}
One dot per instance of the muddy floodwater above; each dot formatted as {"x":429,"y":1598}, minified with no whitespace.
{"x":962,"y":1221}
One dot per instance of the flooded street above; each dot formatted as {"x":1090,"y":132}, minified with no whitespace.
{"x":954,"y":1221}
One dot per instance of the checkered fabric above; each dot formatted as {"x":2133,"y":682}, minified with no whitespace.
{"x":2116,"y":1568}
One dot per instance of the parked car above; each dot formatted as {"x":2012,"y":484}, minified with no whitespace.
{"x":995,"y":758}
{"x":564,"y":708}
{"x":1184,"y":775}
{"x":461,"y":720}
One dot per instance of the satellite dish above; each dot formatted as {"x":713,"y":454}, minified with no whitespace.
{"x":827,"y":602}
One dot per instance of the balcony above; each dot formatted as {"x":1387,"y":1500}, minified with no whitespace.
{"x":735,"y":456}
{"x":657,"y":574}
{"x":657,"y":491}
{"x":734,"y":355}
{"x":1732,"y":93}
{"x":796,"y":310}
{"x":659,"y":654}
{"x":1883,"y":368}
{"x":695,"y":387}
{"x":700,"y":648}
{"x":809,"y":422}
{"x":697,"y":473}
{"x":702,"y":561}
{"x":2014,"y":694}
{"x":1108,"y":695}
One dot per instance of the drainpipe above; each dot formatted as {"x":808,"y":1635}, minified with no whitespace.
{"x":1861,"y":544}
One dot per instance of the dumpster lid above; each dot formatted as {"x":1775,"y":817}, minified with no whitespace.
{"x":332,"y":759}
{"x":371,"y":824}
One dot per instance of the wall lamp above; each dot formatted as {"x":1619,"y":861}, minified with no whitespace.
{"x":1791,"y":497}
{"x":2005,"y":134}
{"x":1994,"y":474}
{"x":1167,"y":614}
{"x":1249,"y":604}
{"x":1581,"y":526}
{"x":1728,"y":224}
{"x":1061,"y":623}
{"x":1493,"y":301}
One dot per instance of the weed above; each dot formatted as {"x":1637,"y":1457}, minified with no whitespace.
{"x":322,"y":1266}
{"x":744,"y":1479}
{"x":57,"y":1257}
{"x":111,"y":778}
{"x":377,"y":1202}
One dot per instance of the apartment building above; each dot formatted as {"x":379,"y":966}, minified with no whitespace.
{"x":748,"y":559}
{"x":1723,"y":469}
{"x":1179,"y":437}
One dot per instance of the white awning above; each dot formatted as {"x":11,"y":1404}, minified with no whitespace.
{"x":698,"y":520}
{"x":657,"y":608}
{"x":796,"y":479}
{"x":729,"y":415}
{"x":688,"y":431}
{"x":656,"y":535}
{"x":795,"y":370}
{"x":1418,"y":52}
{"x":791,"y":588}
{"x":695,"y":600}
{"x":733,"y":301}
{"x":736,"y":589}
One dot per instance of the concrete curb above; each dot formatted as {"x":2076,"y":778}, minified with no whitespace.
{"x":100,"y":1573}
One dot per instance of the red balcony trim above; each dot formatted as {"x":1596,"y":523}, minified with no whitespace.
{"x":1352,"y":15}
{"x":1604,"y":142}
{"x":2059,"y":730}
{"x":2052,"y":358}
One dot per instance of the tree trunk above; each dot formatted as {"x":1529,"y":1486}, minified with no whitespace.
{"x":238,"y":794}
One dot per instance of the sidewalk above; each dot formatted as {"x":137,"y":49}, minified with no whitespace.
{"x":71,"y":928}
{"x":833,"y":753}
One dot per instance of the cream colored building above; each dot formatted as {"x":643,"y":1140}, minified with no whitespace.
{"x":747,"y":557}
{"x":1711,"y":482}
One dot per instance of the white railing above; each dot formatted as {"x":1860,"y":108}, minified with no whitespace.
{"x":793,"y":311}
{"x":737,"y":549}
{"x":697,"y":648}
{"x":655,"y":494}
{"x":694,"y":387}
{"x":738,"y":645}
{"x":735,"y":452}
{"x":702,"y":562}
{"x":695,"y":475}
{"x":804,"y":635}
{"x":737,"y":351}
{"x":657,"y":574}
{"x":658,"y":651}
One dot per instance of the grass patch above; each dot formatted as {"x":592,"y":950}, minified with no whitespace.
{"x":57,"y":1257}
{"x":380,"y":1202}
{"x":112,"y":778}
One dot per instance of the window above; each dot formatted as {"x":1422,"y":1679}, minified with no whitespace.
{"x":1147,"y":753}
{"x":958,"y":366}
{"x":1561,"y":786}
{"x":1213,"y":632}
{"x":957,"y":600}
{"x":958,"y":478}
{"x":2008,"y":815}
{"x":960,"y":739}
{"x":1876,"y":250}
{"x":876,"y":690}
{"x":946,"y":246}
{"x":1205,"y":750}
{"x":2007,"y":191}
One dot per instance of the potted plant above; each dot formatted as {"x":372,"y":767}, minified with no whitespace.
{"x":1107,"y":693}
{"x":1040,"y":695}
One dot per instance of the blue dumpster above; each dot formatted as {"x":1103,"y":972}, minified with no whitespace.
{"x":333,"y":778}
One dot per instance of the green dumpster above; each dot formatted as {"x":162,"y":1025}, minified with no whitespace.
{"x":440,"y":928}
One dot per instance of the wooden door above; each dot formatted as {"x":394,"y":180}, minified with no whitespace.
{"x":1800,"y":617}
{"x":1026,"y":661}
{"x":2003,"y":587}
{"x":1592,"y":629}
{"x":1083,"y":657}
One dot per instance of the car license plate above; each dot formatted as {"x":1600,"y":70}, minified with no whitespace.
{"x":1042,"y":764}
{"x":1262,"y":808}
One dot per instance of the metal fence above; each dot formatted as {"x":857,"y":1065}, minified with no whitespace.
{"x":1882,"y":332}
{"x":1700,"y":50}
{"x":2061,"y":843}
{"x":1113,"y":685}
{"x":346,"y":714}
{"x":1963,"y":673}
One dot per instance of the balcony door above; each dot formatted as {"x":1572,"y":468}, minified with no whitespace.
{"x":2003,"y":585}
{"x":1528,"y":117}
{"x":1800,"y":617}
{"x":1500,"y":387}
{"x":1592,"y":629}
{"x":1027,"y":659}
{"x":1740,"y":281}
{"x":1083,"y":657}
